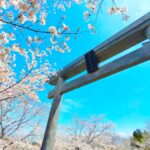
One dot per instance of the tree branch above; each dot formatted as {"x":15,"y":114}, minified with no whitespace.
{"x":35,"y":30}
{"x":17,"y":81}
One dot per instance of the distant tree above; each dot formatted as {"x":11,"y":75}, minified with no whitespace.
{"x":140,"y":140}
{"x":138,"y":135}
{"x":89,"y":133}
{"x":148,"y":126}
{"x":21,"y":121}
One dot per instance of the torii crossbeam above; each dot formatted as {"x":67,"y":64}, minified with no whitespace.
{"x":137,"y":32}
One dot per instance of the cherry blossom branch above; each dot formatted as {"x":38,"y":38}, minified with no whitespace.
{"x":61,"y":19}
{"x":114,"y":3}
{"x":97,"y":135}
{"x":31,"y":133}
{"x":17,"y":81}
{"x":11,"y":97}
{"x":35,"y":30}
{"x":99,"y":8}
{"x":1,"y":122}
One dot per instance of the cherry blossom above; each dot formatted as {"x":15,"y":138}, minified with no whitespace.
{"x":28,"y":37}
{"x":52,"y":30}
{"x":27,"y":19}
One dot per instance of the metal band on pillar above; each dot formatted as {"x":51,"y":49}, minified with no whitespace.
{"x":91,"y":62}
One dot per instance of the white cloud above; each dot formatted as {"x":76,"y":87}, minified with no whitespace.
{"x":65,"y":108}
{"x":136,"y":8}
{"x":124,"y":134}
{"x":73,"y":103}
{"x":68,"y":105}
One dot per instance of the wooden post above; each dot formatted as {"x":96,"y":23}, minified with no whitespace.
{"x":50,"y":132}
{"x":136,"y":57}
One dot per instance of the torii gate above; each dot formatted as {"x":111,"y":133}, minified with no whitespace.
{"x":130,"y":36}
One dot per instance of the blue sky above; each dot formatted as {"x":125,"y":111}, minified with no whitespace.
{"x":124,"y":97}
